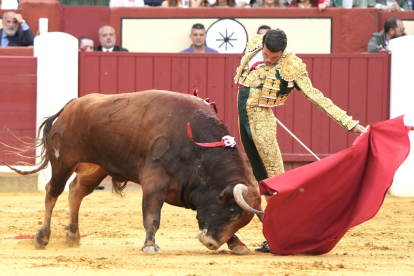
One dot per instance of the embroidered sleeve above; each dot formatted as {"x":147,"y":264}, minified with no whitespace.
{"x":316,"y":97}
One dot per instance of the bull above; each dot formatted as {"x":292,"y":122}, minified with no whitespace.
{"x":141,"y":137}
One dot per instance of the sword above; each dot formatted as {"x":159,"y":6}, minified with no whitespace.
{"x":296,"y":138}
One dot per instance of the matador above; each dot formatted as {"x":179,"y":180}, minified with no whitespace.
{"x":266,"y":77}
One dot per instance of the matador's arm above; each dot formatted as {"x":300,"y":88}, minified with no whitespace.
{"x":304,"y":85}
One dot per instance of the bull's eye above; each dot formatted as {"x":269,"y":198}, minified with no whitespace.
{"x":233,"y":214}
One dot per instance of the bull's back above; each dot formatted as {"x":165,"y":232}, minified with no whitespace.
{"x":129,"y":128}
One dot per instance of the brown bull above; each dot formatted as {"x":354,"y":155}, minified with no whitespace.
{"x":141,"y":137}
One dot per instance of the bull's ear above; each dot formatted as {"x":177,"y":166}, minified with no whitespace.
{"x":227,"y":194}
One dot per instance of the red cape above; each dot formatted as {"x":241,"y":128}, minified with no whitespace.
{"x":316,"y":204}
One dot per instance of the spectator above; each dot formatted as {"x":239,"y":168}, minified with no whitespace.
{"x":389,"y":5}
{"x":269,"y":4}
{"x":321,"y":4}
{"x":263,"y":29}
{"x":340,"y":3}
{"x":126,"y":3}
{"x":177,"y":3}
{"x":108,"y":40}
{"x":85,"y":44}
{"x":393,"y":27}
{"x":198,"y":36}
{"x":10,"y":35}
{"x":410,"y":4}
{"x":153,"y":3}
{"x":226,"y":3}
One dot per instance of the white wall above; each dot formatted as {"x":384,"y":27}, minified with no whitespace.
{"x":57,"y":79}
{"x":402,"y":103}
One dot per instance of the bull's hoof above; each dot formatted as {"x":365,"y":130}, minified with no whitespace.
{"x":151,"y":249}
{"x":39,"y":243}
{"x":72,"y":242}
{"x":240,"y":250}
{"x":237,"y":246}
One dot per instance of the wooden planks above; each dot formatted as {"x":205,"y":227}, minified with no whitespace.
{"x":17,"y":105}
{"x":357,"y":83}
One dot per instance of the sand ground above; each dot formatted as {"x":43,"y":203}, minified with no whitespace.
{"x":381,"y":246}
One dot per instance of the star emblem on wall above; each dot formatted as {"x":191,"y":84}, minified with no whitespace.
{"x":227,"y":36}
{"x":226,"y":39}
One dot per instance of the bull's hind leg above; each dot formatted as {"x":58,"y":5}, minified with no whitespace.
{"x":56,"y":185}
{"x":88,"y":177}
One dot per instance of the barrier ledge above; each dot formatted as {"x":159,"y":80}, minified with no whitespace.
{"x":16,"y":51}
{"x":12,"y":182}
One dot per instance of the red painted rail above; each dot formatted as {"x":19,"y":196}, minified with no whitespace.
{"x":358,"y":83}
{"x":17,"y":104}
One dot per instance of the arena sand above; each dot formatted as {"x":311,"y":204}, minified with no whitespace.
{"x":381,"y":246}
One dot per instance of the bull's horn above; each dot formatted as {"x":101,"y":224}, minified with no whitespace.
{"x":261,"y":214}
{"x":239,"y":190}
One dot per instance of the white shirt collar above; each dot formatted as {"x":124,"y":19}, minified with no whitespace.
{"x":107,"y":50}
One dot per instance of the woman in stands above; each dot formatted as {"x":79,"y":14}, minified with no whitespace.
{"x":305,"y":4}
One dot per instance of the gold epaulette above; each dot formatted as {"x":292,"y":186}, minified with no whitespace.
{"x":253,"y":46}
{"x":255,"y":43}
{"x":291,"y":68}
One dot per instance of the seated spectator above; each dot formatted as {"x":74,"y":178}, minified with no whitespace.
{"x":269,"y":4}
{"x":389,"y":5}
{"x":340,"y":3}
{"x":126,"y":3}
{"x":198,"y":36}
{"x":263,"y":29}
{"x":178,"y":3}
{"x":321,"y":4}
{"x":10,"y":35}
{"x":393,"y":28}
{"x":153,"y":3}
{"x":85,"y":44}
{"x":225,"y":3}
{"x":108,"y":40}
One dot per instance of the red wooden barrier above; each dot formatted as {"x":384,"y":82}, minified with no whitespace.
{"x":17,"y":104}
{"x":16,"y":51}
{"x":358,"y":83}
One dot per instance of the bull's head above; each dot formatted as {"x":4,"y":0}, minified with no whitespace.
{"x":221,"y":216}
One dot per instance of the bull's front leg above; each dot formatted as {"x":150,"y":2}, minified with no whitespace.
{"x":151,"y":209}
{"x":237,"y":246}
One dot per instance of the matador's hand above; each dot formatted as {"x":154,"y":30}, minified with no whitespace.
{"x":358,"y":130}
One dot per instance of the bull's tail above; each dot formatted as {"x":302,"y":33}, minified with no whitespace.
{"x":39,"y":142}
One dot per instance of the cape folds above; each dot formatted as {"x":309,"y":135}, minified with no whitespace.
{"x":318,"y":203}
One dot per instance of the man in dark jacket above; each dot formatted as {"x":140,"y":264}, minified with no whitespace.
{"x":393,"y":28}
{"x":108,"y":40}
{"x":10,"y":35}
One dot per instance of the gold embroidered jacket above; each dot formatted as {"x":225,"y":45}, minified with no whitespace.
{"x":278,"y":81}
